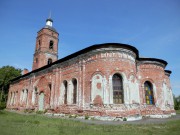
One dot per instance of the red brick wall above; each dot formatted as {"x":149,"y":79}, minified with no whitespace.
{"x":83,"y":69}
{"x":42,"y":51}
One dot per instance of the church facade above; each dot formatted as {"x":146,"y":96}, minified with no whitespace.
{"x":102,"y":80}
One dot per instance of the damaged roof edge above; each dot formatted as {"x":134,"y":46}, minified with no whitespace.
{"x":153,"y":59}
{"x":168,"y":71}
{"x":93,"y":47}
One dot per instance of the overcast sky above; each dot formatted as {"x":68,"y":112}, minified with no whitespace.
{"x":152,"y":26}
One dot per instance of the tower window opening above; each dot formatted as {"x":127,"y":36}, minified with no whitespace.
{"x":49,"y":61}
{"x":51,"y":44}
{"x":39,"y":43}
{"x":36,"y":60}
{"x":50,"y":86}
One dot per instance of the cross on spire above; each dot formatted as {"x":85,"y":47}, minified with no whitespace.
{"x":50,"y":14}
{"x":49,"y":21}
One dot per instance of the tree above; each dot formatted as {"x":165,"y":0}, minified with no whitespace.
{"x":176,"y":102}
{"x":7,"y":73}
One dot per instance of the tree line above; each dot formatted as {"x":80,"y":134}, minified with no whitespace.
{"x":7,"y":73}
{"x":176,"y":102}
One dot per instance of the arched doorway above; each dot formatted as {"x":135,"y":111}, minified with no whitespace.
{"x":41,"y":101}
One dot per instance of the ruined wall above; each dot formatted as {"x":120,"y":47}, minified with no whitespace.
{"x":154,"y":73}
{"x":99,"y":70}
{"x":28,"y":91}
{"x":93,"y":72}
{"x":168,"y":95}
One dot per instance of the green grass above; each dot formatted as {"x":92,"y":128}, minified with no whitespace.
{"x":177,"y":111}
{"x":17,"y":124}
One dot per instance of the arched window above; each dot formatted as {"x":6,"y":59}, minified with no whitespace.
{"x":50,"y":87}
{"x":49,"y":61}
{"x":26,"y":96}
{"x":74,"y":81}
{"x":148,"y":93}
{"x":65,"y":92}
{"x":10,"y":99}
{"x":51,"y":44}
{"x":13,"y":98}
{"x":36,"y":60}
{"x":34,"y":95}
{"x":16,"y":97}
{"x":39,"y":44}
{"x":117,"y":89}
{"x":22,"y":96}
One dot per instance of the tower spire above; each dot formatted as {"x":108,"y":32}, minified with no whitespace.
{"x":50,"y":14}
{"x":46,"y":50}
{"x":49,"y":21}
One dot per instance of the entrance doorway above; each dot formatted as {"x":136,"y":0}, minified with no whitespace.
{"x":41,"y":102}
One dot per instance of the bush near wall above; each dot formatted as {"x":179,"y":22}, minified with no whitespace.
{"x":177,"y":103}
{"x":2,"y":105}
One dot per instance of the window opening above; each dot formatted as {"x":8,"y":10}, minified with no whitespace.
{"x":65,"y":93}
{"x":51,"y":44}
{"x":74,"y":91}
{"x":49,"y":61}
{"x":148,"y":93}
{"x":117,"y":89}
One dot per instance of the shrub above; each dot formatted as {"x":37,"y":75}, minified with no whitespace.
{"x":177,"y":103}
{"x":39,"y":112}
{"x":124,"y":119}
{"x":2,"y":105}
{"x":73,"y":116}
{"x":86,"y":117}
{"x":28,"y":111}
{"x":70,"y":116}
{"x":45,"y":111}
{"x":31,"y":111}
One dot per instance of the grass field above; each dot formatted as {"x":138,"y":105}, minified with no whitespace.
{"x":177,"y":111}
{"x":17,"y":124}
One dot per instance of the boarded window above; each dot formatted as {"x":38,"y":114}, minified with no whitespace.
{"x":117,"y":89}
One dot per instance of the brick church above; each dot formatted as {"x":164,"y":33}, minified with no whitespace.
{"x":108,"y":80}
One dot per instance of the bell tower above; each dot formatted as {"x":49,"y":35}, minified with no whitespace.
{"x":46,"y":50}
